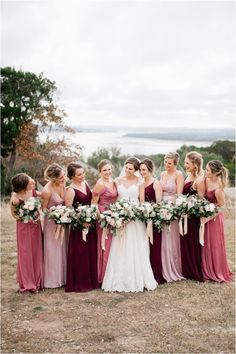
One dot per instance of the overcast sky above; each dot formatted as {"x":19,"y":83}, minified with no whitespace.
{"x":138,"y":63}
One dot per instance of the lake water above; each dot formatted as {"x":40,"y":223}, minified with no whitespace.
{"x":91,"y":141}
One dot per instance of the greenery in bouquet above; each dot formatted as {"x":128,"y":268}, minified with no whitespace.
{"x":164,"y":214}
{"x":145,"y":211}
{"x":201,"y":207}
{"x":84,"y":216}
{"x":28,"y":210}
{"x":125,"y":209}
{"x":111,"y":220}
{"x":60,"y":214}
{"x":181,"y":205}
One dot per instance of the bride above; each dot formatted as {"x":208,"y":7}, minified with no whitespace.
{"x":128,"y":268}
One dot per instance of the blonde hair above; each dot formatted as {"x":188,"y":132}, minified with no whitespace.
{"x":219,"y":170}
{"x":52,"y":172}
{"x":197,"y":161}
{"x":173,"y":156}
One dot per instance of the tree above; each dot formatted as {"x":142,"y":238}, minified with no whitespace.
{"x":26,"y":97}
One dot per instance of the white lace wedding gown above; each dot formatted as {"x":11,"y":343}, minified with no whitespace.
{"x":128,"y":268}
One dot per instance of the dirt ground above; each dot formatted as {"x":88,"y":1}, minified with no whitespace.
{"x":181,"y":317}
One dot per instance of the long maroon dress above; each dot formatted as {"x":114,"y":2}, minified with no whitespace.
{"x":106,"y":197}
{"x":82,"y":255}
{"x":191,"y":249}
{"x":155,"y":249}
{"x":214,"y":261}
{"x":29,"y":255}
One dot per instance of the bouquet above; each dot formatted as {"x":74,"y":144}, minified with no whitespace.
{"x":29,"y":210}
{"x":164,"y":214}
{"x":125,"y":209}
{"x":84,"y":216}
{"x":145,"y":211}
{"x":201,"y":207}
{"x":60,"y":214}
{"x":181,"y":205}
{"x":111,"y":220}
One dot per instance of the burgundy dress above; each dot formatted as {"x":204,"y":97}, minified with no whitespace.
{"x":155,"y":249}
{"x":29,"y":255}
{"x":190,"y":247}
{"x":106,"y":197}
{"x":214,"y":261}
{"x":82,"y":255}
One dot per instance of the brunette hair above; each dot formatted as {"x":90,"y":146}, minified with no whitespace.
{"x":174,"y":156}
{"x":20,"y":182}
{"x":219,"y":170}
{"x":71,"y":169}
{"x":134,"y":161}
{"x":148,"y":163}
{"x":52,"y":172}
{"x":103,"y":163}
{"x":197,"y":161}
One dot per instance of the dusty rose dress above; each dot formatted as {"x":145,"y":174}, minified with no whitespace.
{"x":54,"y":251}
{"x":191,"y":249}
{"x":29,"y":256}
{"x":82,"y":255}
{"x":155,"y":248}
{"x":106,"y":197}
{"x":214,"y":261}
{"x":170,"y":248}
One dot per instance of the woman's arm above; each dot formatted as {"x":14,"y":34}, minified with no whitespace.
{"x":69,"y":196}
{"x":158,"y":190}
{"x":179,"y":183}
{"x":141,"y":192}
{"x":220,"y":198}
{"x":201,"y":188}
{"x":13,"y":202}
{"x":45,"y":195}
{"x":96,"y":192}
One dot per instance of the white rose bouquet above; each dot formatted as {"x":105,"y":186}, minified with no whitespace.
{"x":60,"y":214}
{"x":145,"y":211}
{"x":125,"y":209}
{"x":28,"y":210}
{"x":84,"y":216}
{"x":201,"y":207}
{"x":165,"y":213}
{"x":111,"y":220}
{"x":181,"y":205}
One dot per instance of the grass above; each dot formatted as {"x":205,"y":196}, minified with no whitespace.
{"x":181,"y":317}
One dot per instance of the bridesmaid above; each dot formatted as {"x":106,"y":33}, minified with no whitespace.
{"x":82,"y":255}
{"x":104,"y":194}
{"x":54,"y":252}
{"x":190,"y":247}
{"x":172,"y":182}
{"x":29,"y":238}
{"x":153,"y":193}
{"x":214,"y":261}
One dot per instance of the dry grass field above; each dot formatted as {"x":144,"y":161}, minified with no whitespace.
{"x":181,"y":317}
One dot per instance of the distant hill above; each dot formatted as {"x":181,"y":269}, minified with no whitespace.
{"x":186,"y":134}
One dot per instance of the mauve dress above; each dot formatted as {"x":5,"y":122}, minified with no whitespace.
{"x":29,"y":255}
{"x":82,"y":255}
{"x":170,"y":247}
{"x":191,"y":248}
{"x":54,"y":251}
{"x":155,"y":249}
{"x":106,"y":197}
{"x":214,"y":262}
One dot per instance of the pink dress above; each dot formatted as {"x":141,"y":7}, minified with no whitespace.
{"x":106,"y":197}
{"x":29,"y":256}
{"x":170,"y":247}
{"x":54,"y":251}
{"x":214,"y":261}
